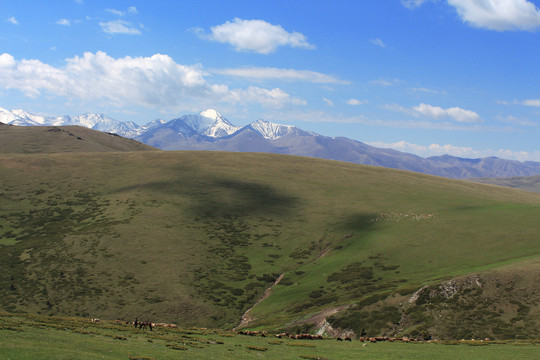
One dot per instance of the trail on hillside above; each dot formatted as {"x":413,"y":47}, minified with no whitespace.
{"x":247,"y":318}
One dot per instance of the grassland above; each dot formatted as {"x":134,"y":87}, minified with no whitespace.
{"x":43,"y":337}
{"x":195,"y":238}
{"x":526,"y":183}
{"x":62,"y":139}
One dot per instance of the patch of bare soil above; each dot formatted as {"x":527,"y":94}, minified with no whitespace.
{"x":247,"y":318}
{"x":323,"y":327}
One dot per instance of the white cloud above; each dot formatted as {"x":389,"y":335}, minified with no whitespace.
{"x":532,"y":102}
{"x":156,"y":81}
{"x":274,"y":98}
{"x":12,"y":20}
{"x":378,"y":42}
{"x":328,"y":102}
{"x":116,"y":12}
{"x":256,"y":73}
{"x":459,"y":151}
{"x":130,"y":10}
{"x":411,"y":4}
{"x":498,"y":15}
{"x":119,"y":27}
{"x":256,"y":36}
{"x":64,"y":22}
{"x":356,"y":102}
{"x":456,"y":113}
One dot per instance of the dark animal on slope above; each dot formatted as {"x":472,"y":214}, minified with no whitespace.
{"x":145,"y":324}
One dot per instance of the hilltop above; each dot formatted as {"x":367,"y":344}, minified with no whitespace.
{"x":195,"y":238}
{"x":60,"y":139}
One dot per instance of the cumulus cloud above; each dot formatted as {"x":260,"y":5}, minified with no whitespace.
{"x":156,"y":81}
{"x":459,"y":151}
{"x":12,"y":20}
{"x":64,"y":22}
{"x":456,"y":113}
{"x":499,"y":15}
{"x":256,"y":73}
{"x":256,"y":36}
{"x":119,"y":27}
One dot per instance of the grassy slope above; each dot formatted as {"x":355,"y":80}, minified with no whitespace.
{"x":55,"y":139}
{"x":41,"y":337}
{"x":526,"y":183}
{"x":196,"y":237}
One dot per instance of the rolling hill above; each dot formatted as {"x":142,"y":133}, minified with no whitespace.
{"x":197,"y":238}
{"x":526,"y":183}
{"x":62,"y":139}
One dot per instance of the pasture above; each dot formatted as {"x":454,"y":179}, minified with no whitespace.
{"x":197,"y":237}
{"x":43,"y":337}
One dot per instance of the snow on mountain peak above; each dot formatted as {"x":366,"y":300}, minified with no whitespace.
{"x":271,"y":130}
{"x":7,"y":116}
{"x":211,"y":123}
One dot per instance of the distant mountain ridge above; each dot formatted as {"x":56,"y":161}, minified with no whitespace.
{"x":209,"y":130}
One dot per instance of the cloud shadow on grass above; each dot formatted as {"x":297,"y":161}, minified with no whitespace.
{"x":223,"y":197}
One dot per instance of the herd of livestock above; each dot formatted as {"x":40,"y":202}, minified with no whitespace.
{"x":143,"y":325}
{"x":320,"y":337}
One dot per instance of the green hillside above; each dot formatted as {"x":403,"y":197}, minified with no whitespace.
{"x":195,"y":238}
{"x":527,"y":183}
{"x":60,"y":139}
{"x":30,"y":337}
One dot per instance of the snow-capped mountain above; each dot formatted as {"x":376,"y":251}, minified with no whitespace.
{"x":92,"y":121}
{"x":272,"y":131}
{"x":146,"y":127}
{"x":209,"y":130}
{"x":208,"y":123}
{"x":7,"y":116}
{"x":23,"y":118}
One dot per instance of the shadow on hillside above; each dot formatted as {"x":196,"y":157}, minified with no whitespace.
{"x":360,"y":222}
{"x":219,"y":197}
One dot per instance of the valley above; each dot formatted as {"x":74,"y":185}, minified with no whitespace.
{"x":195,"y":238}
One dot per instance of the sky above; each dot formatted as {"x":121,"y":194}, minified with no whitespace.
{"x":429,"y":77}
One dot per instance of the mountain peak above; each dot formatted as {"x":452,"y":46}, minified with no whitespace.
{"x":272,"y":131}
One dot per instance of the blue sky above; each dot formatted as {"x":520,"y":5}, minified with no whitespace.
{"x":423,"y":76}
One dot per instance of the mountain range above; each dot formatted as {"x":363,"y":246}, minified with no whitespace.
{"x":209,"y":130}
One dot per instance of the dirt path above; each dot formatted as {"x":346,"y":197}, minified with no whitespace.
{"x":247,"y":318}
